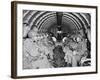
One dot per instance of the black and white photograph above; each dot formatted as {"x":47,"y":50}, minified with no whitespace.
{"x":53,"y":39}
{"x":56,"y":39}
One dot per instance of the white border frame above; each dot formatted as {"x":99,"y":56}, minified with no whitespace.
{"x":33,"y":72}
